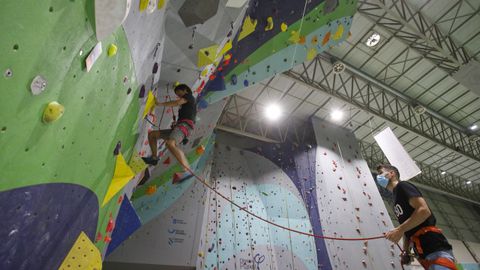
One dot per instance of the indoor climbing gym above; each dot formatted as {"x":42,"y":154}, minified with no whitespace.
{"x":240,"y":134}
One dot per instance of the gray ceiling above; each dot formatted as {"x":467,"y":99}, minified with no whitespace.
{"x":423,"y":44}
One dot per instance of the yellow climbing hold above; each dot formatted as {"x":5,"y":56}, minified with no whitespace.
{"x":228,"y":46}
{"x":294,"y":37}
{"x":53,"y":112}
{"x":338,"y":35}
{"x":284,"y":27}
{"x":248,"y":27}
{"x":160,"y":4}
{"x":207,"y":56}
{"x":269,"y":24}
{"x":177,"y":83}
{"x":150,"y":104}
{"x":122,"y":175}
{"x":137,"y":164}
{"x":112,"y":50}
{"x":204,"y":72}
{"x":311,"y":54}
{"x":83,"y":255}
{"x":143,"y":5}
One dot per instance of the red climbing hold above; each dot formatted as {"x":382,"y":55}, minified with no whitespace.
{"x":167,"y":161}
{"x":110,"y":226}
{"x":99,"y":236}
{"x":107,"y":239}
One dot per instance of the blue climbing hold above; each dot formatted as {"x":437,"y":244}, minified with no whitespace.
{"x":245,"y":83}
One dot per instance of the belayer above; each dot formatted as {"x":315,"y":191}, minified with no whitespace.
{"x":180,"y":131}
{"x":417,"y":223}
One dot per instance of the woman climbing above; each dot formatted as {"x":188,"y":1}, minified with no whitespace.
{"x":179,"y":132}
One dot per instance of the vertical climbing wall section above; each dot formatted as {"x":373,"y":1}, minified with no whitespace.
{"x":350,"y":203}
{"x":234,"y":240}
{"x":67,"y":99}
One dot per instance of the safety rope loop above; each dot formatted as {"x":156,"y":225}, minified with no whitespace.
{"x":278,"y":225}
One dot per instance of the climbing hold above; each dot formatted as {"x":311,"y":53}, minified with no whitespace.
{"x":149,"y":104}
{"x":177,"y":83}
{"x":151,"y":190}
{"x":107,"y":239}
{"x":116,"y":151}
{"x":8,"y":73}
{"x":200,"y":150}
{"x":284,"y":27}
{"x":141,"y":94}
{"x":152,"y":6}
{"x":302,"y":40}
{"x":245,"y":83}
{"x":167,"y":161}
{"x":294,"y":37}
{"x":121,"y":176}
{"x":143,"y":5}
{"x":233,"y":79}
{"x":269,"y":24}
{"x":155,"y":68}
{"x":339,"y":33}
{"x":110,"y":226}
{"x":314,"y":40}
{"x":326,"y":38}
{"x":83,"y":255}
{"x":93,"y":56}
{"x":248,"y":27}
{"x":160,"y":4}
{"x":207,"y":56}
{"x":53,"y":112}
{"x":202,"y":104}
{"x":227,"y":47}
{"x":312,"y":52}
{"x":38,"y":85}
{"x":200,"y":254}
{"x":112,"y":50}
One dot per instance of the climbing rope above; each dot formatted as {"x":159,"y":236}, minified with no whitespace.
{"x":198,"y":178}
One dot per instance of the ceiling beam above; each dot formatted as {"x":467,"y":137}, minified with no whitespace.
{"x":431,"y":177}
{"x":401,"y":20}
{"x":366,"y":94}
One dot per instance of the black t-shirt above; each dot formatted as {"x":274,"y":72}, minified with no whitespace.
{"x":430,"y":241}
{"x":189,"y":109}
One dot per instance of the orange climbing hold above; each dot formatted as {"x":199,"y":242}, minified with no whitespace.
{"x":200,"y":150}
{"x":151,"y":189}
{"x":326,"y":38}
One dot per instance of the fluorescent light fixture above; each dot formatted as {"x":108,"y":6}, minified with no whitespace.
{"x":443,"y":173}
{"x":469,"y":182}
{"x":473,"y":127}
{"x":336,"y":115}
{"x":373,"y":40}
{"x":273,"y":112}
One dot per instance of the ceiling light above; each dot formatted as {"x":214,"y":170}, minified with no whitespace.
{"x":273,"y":112}
{"x":443,"y":173}
{"x":473,"y":127}
{"x":469,"y":182}
{"x":336,"y":115}
{"x":373,"y":40}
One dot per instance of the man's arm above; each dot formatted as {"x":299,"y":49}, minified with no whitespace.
{"x":173,"y":103}
{"x":418,"y":216}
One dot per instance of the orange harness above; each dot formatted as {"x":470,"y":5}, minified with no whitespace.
{"x":427,"y":263}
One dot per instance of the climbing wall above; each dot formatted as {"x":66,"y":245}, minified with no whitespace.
{"x":350,"y":203}
{"x":79,"y":80}
{"x":231,"y":239}
{"x":276,"y":36}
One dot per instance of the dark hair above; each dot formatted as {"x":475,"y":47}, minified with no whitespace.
{"x":388,"y":167}
{"x":182,"y":87}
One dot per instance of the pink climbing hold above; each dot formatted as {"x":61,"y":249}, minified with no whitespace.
{"x":110,"y":226}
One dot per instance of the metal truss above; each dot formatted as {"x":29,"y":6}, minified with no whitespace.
{"x":249,"y":123}
{"x":411,"y":26}
{"x":384,"y":103}
{"x":430,"y":176}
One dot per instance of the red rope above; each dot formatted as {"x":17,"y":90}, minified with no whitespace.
{"x":283,"y":227}
{"x":278,"y":225}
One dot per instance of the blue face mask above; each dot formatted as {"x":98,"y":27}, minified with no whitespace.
{"x":382,"y":180}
